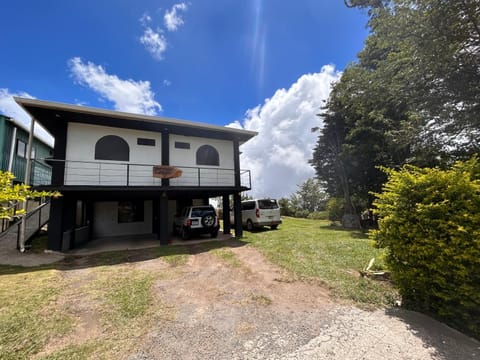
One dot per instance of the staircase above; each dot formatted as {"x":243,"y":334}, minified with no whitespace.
{"x":35,"y":218}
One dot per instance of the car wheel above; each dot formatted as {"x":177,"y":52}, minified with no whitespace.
{"x":249,"y":225}
{"x":208,"y":221}
{"x":274,"y":227}
{"x":185,"y":234}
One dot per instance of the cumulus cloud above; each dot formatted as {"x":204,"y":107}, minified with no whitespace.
{"x":172,"y":19}
{"x":278,"y":156}
{"x":145,"y":19}
{"x":126,"y":95}
{"x":154,"y":42}
{"x":10,"y":108}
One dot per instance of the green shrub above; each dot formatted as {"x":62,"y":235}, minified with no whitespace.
{"x":318,"y":215}
{"x":335,"y":208}
{"x":430,"y":224}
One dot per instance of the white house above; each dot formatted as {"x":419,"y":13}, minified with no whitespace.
{"x":110,"y":168}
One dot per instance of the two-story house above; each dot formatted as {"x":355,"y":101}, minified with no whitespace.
{"x":128,"y":174}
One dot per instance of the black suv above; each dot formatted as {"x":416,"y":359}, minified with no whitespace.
{"x":196,"y":220}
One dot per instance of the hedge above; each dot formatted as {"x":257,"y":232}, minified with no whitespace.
{"x":429,"y":220}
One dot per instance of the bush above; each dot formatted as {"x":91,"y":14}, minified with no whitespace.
{"x":318,"y":215}
{"x":429,"y":220}
{"x":335,"y":209}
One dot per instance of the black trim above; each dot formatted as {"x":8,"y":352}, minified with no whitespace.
{"x":182,"y":145}
{"x":146,"y":142}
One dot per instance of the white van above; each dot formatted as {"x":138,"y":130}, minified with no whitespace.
{"x":260,"y":212}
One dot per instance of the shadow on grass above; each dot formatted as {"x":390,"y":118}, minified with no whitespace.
{"x":74,"y":262}
{"x":356,"y":234}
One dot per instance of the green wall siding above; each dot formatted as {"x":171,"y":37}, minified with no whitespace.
{"x":41,"y":172}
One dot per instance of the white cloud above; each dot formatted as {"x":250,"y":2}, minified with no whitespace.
{"x":278,"y":156}
{"x":127,"y":95}
{"x":172,"y":18}
{"x":167,"y":82}
{"x":10,"y":108}
{"x":145,"y":19}
{"x":154,"y":42}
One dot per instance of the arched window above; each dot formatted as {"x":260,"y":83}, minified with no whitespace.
{"x":207,"y":155}
{"x":112,"y":147}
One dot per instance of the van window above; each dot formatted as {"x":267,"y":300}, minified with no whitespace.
{"x":248,"y":205}
{"x":268,"y":204}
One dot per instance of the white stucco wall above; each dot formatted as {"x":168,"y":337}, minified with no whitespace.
{"x":81,"y":140}
{"x":82,"y":169}
{"x":106,"y":220}
{"x":185,"y":159}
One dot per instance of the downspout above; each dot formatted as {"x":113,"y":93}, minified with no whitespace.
{"x":28,"y":170}
{"x":12,"y":149}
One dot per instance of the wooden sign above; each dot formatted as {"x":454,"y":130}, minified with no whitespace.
{"x":166,"y":172}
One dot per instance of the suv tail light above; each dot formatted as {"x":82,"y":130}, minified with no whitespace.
{"x":257,"y":212}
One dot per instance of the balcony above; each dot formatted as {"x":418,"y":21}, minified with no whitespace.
{"x":95,"y":173}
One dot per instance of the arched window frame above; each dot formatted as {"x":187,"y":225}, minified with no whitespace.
{"x":207,"y":155}
{"x":112,"y":147}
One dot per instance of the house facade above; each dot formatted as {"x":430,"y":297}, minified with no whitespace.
{"x":110,"y":168}
{"x":13,"y":145}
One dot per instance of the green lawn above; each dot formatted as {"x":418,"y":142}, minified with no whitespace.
{"x":313,"y":249}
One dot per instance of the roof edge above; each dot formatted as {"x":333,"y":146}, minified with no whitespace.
{"x":25,"y":102}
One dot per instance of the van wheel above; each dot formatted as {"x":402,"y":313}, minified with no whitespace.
{"x":249,"y":225}
{"x":274,"y":227}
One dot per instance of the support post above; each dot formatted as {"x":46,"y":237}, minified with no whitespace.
{"x":28,"y":169}
{"x":237,"y":211}
{"x":163,"y":229}
{"x":165,"y":153}
{"x":55,"y":226}
{"x":226,"y":214}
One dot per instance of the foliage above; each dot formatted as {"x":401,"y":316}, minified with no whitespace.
{"x":335,"y":209}
{"x":309,"y":198}
{"x":412,"y":97}
{"x":430,"y":224}
{"x":11,"y":194}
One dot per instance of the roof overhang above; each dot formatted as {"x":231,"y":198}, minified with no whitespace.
{"x":51,"y":114}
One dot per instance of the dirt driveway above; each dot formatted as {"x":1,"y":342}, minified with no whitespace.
{"x":254,"y":310}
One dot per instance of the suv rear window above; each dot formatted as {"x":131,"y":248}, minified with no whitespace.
{"x":268,"y":204}
{"x":199,"y":212}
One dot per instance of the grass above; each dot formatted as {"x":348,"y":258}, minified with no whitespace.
{"x":312,"y":249}
{"x":29,"y":317}
{"x":34,"y":303}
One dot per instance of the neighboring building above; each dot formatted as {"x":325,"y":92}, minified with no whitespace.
{"x":13,"y":144}
{"x":103,"y":163}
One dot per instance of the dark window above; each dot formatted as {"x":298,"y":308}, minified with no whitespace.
{"x":268,"y":204}
{"x":207,"y":155}
{"x":182,"y":145}
{"x":112,"y":147}
{"x":21,"y":148}
{"x":248,"y":205}
{"x":147,"y":142}
{"x":130,"y":211}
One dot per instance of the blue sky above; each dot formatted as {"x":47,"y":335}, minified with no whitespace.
{"x":256,"y":64}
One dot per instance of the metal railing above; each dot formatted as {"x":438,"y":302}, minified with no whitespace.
{"x":34,"y":221}
{"x":96,"y":173}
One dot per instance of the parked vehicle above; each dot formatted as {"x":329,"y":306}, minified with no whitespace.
{"x":194,"y":220}
{"x":260,"y":212}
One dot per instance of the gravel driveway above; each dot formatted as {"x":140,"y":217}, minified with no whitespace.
{"x":256,"y":311}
